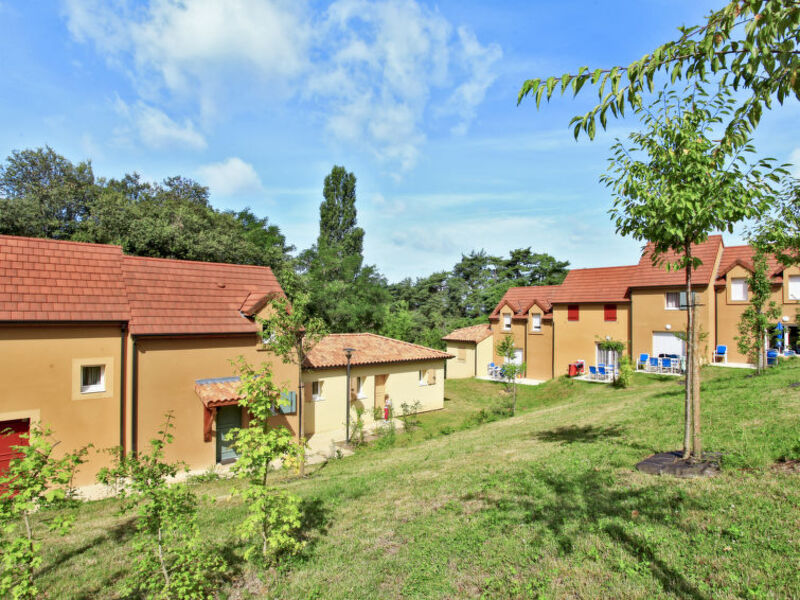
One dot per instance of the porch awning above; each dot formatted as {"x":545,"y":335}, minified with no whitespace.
{"x":219,"y":391}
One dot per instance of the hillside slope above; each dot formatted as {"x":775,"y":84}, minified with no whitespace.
{"x":545,"y":504}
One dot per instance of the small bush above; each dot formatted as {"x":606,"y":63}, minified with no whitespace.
{"x":625,"y":373}
{"x":387,"y":436}
{"x":410,"y":415}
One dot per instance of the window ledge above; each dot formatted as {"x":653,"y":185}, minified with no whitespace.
{"x":92,"y":390}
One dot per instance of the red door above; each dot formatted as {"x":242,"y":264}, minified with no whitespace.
{"x":10,"y":438}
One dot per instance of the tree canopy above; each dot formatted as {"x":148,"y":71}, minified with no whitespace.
{"x":750,"y":45}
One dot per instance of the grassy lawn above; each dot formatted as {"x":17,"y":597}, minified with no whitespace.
{"x":545,"y":504}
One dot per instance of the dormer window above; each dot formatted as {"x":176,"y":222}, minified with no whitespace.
{"x":739,"y":289}
{"x":506,"y":322}
{"x":536,"y":322}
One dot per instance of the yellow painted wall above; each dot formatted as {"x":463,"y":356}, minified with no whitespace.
{"x":38,"y":381}
{"x":463,"y":365}
{"x":651,"y":315}
{"x":168,"y":369}
{"x":485,"y":352}
{"x":539,"y":350}
{"x":518,"y":331}
{"x":729,"y":313}
{"x":327,"y":416}
{"x":576,"y":340}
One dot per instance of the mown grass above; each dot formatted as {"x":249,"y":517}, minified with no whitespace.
{"x":545,"y":504}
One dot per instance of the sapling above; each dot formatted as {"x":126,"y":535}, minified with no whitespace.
{"x":170,"y":559}
{"x":273,"y":516}
{"x":35,"y":481}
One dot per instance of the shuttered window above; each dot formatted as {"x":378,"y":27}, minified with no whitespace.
{"x":739,"y":289}
{"x":794,"y":287}
{"x":610,"y":312}
{"x":573,"y":312}
{"x":431,"y":376}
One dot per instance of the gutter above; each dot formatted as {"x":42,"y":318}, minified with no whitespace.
{"x":123,"y":384}
{"x":135,"y":399}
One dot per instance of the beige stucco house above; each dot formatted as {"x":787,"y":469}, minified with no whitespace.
{"x":383,"y":371}
{"x":472,"y":349}
{"x":99,"y":346}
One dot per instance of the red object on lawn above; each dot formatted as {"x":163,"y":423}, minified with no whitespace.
{"x":572,"y":371}
{"x":11,"y":435}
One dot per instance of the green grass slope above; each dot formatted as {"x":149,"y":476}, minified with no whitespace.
{"x":545,"y":504}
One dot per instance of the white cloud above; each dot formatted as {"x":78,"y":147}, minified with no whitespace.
{"x":372,"y":72}
{"x":230,"y":177}
{"x":794,"y":159}
{"x":155,"y":129}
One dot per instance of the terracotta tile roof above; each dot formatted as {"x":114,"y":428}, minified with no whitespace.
{"x":650,"y":275}
{"x":50,"y":280}
{"x":521,"y":299}
{"x":178,"y":296}
{"x":743,"y":255}
{"x":473,"y":333}
{"x":605,"y":284}
{"x":370,"y":349}
{"x":219,"y":391}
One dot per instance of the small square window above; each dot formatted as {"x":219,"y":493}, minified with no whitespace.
{"x":316,"y":391}
{"x":794,"y":287}
{"x":739,"y":289}
{"x":423,"y":377}
{"x":672,"y":301}
{"x":93,"y":379}
{"x":536,"y":322}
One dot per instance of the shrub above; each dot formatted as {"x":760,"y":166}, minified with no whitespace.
{"x":34,"y":481}
{"x":410,"y":415}
{"x":170,"y":560}
{"x":625,"y":372}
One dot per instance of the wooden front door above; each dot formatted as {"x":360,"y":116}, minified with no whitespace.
{"x":380,"y":391}
{"x":228,"y":417}
{"x":11,"y":435}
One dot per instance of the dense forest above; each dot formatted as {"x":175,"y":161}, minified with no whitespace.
{"x":43,"y":194}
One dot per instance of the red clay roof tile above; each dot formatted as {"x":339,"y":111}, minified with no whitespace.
{"x":605,"y":284}
{"x":650,"y":275}
{"x":473,"y":333}
{"x":96,"y":282}
{"x":370,"y":349}
{"x":521,"y":299}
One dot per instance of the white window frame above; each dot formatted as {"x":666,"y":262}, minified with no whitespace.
{"x":100,"y":386}
{"x":316,"y":396}
{"x":423,"y":377}
{"x":737,"y":284}
{"x":536,"y":322}
{"x":506,"y":322}
{"x":360,"y":388}
{"x":606,"y":357}
{"x":677,"y":303}
{"x":794,"y":290}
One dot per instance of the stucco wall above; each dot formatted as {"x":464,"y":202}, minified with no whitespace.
{"x":326,"y":417}
{"x":649,"y":314}
{"x":539,"y":351}
{"x":485,"y":354}
{"x":38,"y":375}
{"x":463,"y":365}
{"x":168,"y":369}
{"x":729,"y":312}
{"x":518,"y":332}
{"x":576,"y":340}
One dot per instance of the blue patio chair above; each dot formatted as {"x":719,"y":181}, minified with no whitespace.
{"x":592,"y":372}
{"x":772,"y":358}
{"x":666,"y":365}
{"x":642,"y":363}
{"x":721,"y":352}
{"x":601,"y":370}
{"x":653,"y":366}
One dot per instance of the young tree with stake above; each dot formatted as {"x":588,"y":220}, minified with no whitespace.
{"x":673,"y":186}
{"x":754,"y":323}
{"x":511,"y":369}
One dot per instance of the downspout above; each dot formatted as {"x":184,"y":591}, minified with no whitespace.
{"x":553,"y":348}
{"x":135,"y":398}
{"x":475,"y":372}
{"x":123,"y":359}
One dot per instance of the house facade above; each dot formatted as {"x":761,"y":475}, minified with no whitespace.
{"x":470,"y":347}
{"x":100,"y":346}
{"x":384,"y":372}
{"x":642,"y":305}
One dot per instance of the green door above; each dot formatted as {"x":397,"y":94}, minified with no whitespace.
{"x":228,"y":417}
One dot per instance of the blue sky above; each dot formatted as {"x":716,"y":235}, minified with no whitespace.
{"x":258,"y":99}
